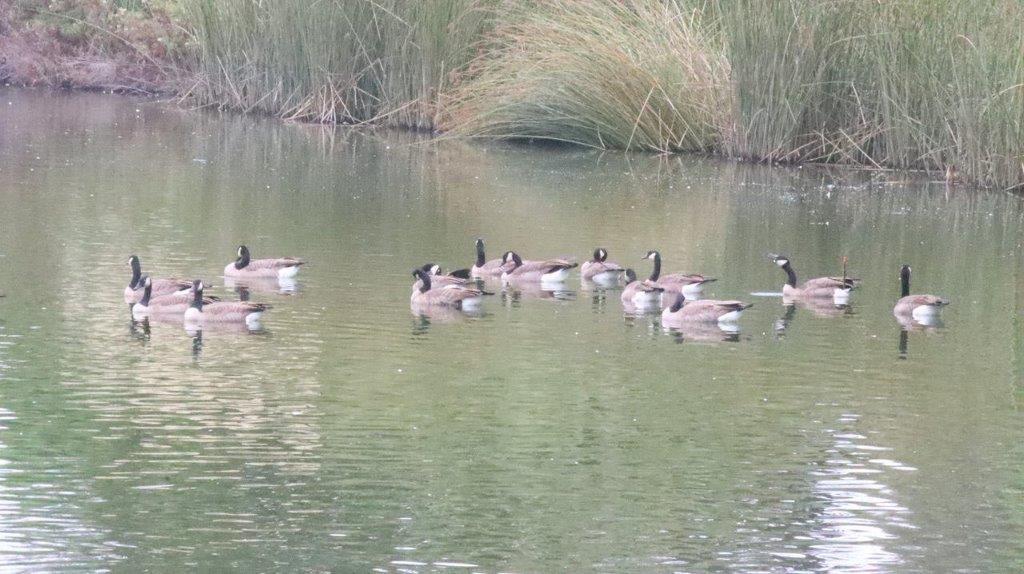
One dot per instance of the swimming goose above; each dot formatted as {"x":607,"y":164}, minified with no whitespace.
{"x":920,"y":307}
{"x":437,"y":279}
{"x":483,"y":267}
{"x":640,"y":293}
{"x":599,"y":269}
{"x":171,"y":304}
{"x":702,"y":310}
{"x":690,"y":284}
{"x":200,"y":311}
{"x":836,"y":287}
{"x":133,"y":292}
{"x":245,"y":267}
{"x":453,"y":295}
{"x":547,"y":271}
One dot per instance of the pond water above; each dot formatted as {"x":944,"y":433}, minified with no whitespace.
{"x":552,"y":432}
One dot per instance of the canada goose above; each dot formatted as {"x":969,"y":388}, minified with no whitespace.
{"x":453,"y":295}
{"x":245,"y":267}
{"x":599,"y":269}
{"x":702,"y":310}
{"x":691,"y":284}
{"x":920,"y":307}
{"x":174,"y":303}
{"x":483,"y":267}
{"x":222,"y":311}
{"x":133,"y":292}
{"x":640,"y":293}
{"x":836,"y":287}
{"x":547,"y":271}
{"x":457,"y":277}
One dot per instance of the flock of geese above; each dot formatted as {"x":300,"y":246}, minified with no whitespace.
{"x":182,"y":300}
{"x":675,"y":295}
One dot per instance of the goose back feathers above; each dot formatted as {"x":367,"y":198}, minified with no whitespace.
{"x":245,"y":266}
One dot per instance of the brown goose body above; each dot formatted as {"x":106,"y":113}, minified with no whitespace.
{"x":482,"y":267}
{"x":916,"y":306}
{"x":640,"y":293}
{"x":245,"y":267}
{"x":134,"y":291}
{"x":688,"y":283}
{"x":835,"y":287}
{"x":452,"y":295}
{"x":599,"y":268}
{"x":548,"y":270}
{"x":221,"y":311}
{"x":171,"y":304}
{"x":702,"y":311}
{"x":437,"y":279}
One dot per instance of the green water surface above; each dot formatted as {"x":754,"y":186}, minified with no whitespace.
{"x":551,"y":433}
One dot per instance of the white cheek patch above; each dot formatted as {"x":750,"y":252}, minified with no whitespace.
{"x":781,"y":262}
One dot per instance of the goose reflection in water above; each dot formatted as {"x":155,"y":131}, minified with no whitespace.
{"x":283,"y":285}
{"x":823,"y":308}
{"x":632,"y":309}
{"x":139,"y":330}
{"x":913,"y":325}
{"x":426,"y":315}
{"x":704,"y":332}
{"x":516,"y":291}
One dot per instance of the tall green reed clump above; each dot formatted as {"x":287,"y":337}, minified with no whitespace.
{"x":635,"y":74}
{"x":390,"y":61}
{"x":911,"y":83}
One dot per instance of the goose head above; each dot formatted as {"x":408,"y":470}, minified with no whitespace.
{"x":511,"y":258}
{"x":136,"y":267}
{"x":243,"y":257}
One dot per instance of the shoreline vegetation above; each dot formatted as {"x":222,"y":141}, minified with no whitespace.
{"x":902,"y":84}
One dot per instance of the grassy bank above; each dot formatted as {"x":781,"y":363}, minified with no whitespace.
{"x":388,"y":61}
{"x":901,"y":83}
{"x":120,"y":45}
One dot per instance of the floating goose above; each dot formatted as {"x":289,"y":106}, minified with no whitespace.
{"x":200,"y":311}
{"x":690,"y":284}
{"x":452,"y":295}
{"x":599,"y":270}
{"x":703,"y":310}
{"x":483,"y":267}
{"x":437,"y":279}
{"x":244,"y":267}
{"x":546,"y":271}
{"x":836,"y":287}
{"x":923,"y":308}
{"x":171,"y":304}
{"x":133,"y":292}
{"x":640,"y":293}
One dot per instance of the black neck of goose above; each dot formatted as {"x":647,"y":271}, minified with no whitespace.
{"x":197,"y":300}
{"x":790,"y":274}
{"x":630,"y":276}
{"x":517,"y":261}
{"x":136,"y":274}
{"x":243,"y":260}
{"x":425,"y":280}
{"x":904,"y":282}
{"x":146,"y":295}
{"x":680,"y":299}
{"x":657,"y":267}
{"x":480,"y":259}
